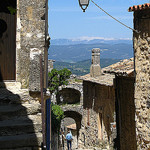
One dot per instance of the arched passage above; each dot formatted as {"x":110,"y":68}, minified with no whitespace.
{"x":76,"y":116}
{"x":72,"y":121}
{"x":68,"y":96}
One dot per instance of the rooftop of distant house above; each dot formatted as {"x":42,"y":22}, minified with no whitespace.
{"x":139,"y":7}
{"x":72,"y":127}
{"x":123,"y":68}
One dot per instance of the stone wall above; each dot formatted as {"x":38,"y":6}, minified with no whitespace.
{"x":55,"y":141}
{"x":20,"y":112}
{"x":50,"y":65}
{"x":142,"y":69}
{"x":31,"y":36}
{"x":98,"y":115}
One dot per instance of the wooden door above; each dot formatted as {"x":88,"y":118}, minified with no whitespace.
{"x":125,"y":113}
{"x":7,"y":46}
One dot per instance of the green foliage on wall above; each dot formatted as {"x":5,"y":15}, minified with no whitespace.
{"x":57,"y":116}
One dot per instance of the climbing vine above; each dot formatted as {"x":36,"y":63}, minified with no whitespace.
{"x":57,"y":115}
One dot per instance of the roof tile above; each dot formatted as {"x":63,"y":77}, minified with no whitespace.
{"x":139,"y":7}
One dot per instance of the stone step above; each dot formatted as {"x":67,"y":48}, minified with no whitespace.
{"x":8,"y":111}
{"x":11,"y":92}
{"x":10,"y":84}
{"x":21,"y":125}
{"x":14,"y":95}
{"x":23,"y":140}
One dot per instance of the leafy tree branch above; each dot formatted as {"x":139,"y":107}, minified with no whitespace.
{"x":57,"y":78}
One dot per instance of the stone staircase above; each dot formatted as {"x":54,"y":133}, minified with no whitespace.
{"x":20,"y":119}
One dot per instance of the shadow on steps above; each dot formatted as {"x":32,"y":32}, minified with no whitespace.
{"x":20,"y":124}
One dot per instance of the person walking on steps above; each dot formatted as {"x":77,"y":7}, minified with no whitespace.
{"x":69,"y":140}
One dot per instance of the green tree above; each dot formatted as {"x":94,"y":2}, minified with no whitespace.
{"x":58,"y":78}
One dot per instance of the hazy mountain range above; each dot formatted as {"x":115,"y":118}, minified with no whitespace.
{"x":67,"y":50}
{"x":90,"y":40}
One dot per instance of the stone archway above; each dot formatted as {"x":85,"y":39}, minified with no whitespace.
{"x":74,"y":115}
{"x":68,"y":96}
{"x":73,"y":123}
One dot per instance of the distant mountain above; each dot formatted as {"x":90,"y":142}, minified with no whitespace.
{"x":75,"y":54}
{"x":89,"y":41}
{"x":80,"y":52}
{"x":83,"y":67}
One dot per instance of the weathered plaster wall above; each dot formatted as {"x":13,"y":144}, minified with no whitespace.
{"x":142,"y":69}
{"x":31,"y":34}
{"x":98,"y":114}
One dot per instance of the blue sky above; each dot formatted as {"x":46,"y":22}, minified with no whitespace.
{"x":66,"y":19}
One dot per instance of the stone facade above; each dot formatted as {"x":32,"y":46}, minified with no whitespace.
{"x":98,"y":115}
{"x":142,"y":69}
{"x":20,"y":110}
{"x":31,"y":41}
{"x":50,"y":65}
{"x":98,"y":107}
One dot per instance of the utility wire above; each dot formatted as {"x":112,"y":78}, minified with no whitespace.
{"x":115,"y":18}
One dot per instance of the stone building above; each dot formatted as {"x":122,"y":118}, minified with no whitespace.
{"x":124,"y":103}
{"x":141,"y":41}
{"x":98,"y":113}
{"x":98,"y":125}
{"x":23,"y":41}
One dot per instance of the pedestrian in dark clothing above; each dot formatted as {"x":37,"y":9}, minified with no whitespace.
{"x":63,"y":140}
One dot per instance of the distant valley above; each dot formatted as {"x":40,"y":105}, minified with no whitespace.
{"x":83,"y":67}
{"x":76,"y":55}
